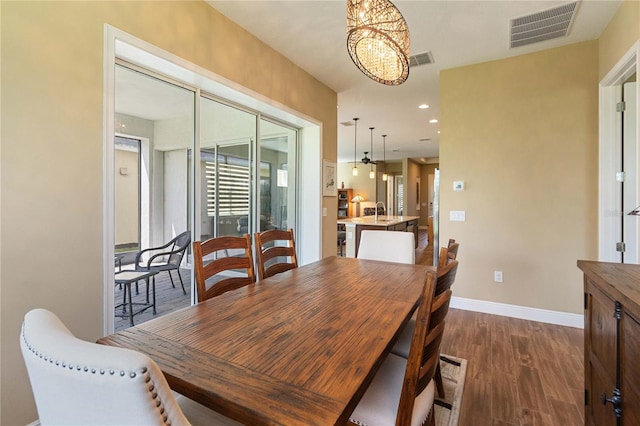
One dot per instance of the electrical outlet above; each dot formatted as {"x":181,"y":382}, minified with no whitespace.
{"x":497,"y":276}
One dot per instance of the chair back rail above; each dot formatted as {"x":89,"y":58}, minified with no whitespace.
{"x":211,"y":273}
{"x":270,"y":252}
{"x":446,"y":276}
{"x":425,"y":349}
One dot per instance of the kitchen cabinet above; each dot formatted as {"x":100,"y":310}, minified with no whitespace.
{"x":611,"y":343}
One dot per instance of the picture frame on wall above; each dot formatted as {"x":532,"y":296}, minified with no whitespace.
{"x":329,"y":179}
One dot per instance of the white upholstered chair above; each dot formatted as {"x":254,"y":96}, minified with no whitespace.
{"x":76,"y":382}
{"x":389,"y":246}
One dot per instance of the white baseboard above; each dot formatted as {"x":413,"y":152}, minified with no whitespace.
{"x":522,"y":312}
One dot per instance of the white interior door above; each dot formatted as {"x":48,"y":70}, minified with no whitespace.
{"x":630,"y":187}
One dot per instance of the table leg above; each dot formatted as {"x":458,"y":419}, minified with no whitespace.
{"x":124,"y":299}
{"x":130,"y":305}
{"x":154,"y":294}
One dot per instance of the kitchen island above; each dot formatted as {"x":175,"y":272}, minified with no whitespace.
{"x":355,"y":225}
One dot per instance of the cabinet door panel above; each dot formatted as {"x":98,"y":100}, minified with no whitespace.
{"x":601,"y":415}
{"x":630,"y":371}
{"x":603,"y":329}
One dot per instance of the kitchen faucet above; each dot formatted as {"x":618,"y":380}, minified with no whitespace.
{"x":383,"y":207}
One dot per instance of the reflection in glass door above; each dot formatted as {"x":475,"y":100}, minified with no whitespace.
{"x":277,"y":176}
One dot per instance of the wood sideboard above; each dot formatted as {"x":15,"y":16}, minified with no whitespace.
{"x":611,"y":343}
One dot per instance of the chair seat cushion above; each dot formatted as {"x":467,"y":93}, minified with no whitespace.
{"x":403,"y":344}
{"x":379,"y":405}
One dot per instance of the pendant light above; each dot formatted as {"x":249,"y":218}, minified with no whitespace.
{"x":354,"y":171}
{"x":384,"y":158}
{"x":372,"y":174}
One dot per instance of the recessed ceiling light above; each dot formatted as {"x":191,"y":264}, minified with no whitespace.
{"x":433,"y":120}
{"x":423,"y":106}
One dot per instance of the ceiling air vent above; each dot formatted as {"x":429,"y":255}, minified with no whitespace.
{"x":425,"y":58}
{"x":540,"y":26}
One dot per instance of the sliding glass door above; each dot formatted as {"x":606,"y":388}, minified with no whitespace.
{"x":242,"y":164}
{"x":278,"y":147}
{"x":227,"y":144}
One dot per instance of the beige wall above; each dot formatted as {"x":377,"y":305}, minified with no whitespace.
{"x":528,"y":156}
{"x":52,"y":111}
{"x":621,"y":33}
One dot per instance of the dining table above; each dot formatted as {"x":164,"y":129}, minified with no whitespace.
{"x":298,"y":348}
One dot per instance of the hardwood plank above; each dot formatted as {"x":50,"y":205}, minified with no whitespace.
{"x":504,"y":406}
{"x":547,"y":381}
{"x":565,"y":414}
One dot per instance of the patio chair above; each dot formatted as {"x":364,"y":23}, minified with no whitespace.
{"x":165,"y":258}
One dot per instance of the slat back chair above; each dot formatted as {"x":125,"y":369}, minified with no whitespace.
{"x":402,"y":392}
{"x":425,"y":351}
{"x":446,"y":278}
{"x":275,"y":252}
{"x":218,"y":272}
{"x":449,"y":253}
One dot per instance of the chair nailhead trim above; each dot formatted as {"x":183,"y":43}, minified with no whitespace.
{"x":132,"y":375}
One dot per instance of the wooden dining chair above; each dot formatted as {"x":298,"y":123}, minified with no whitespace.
{"x":275,"y":252}
{"x":222,"y":264}
{"x":446,"y":278}
{"x":402,"y":391}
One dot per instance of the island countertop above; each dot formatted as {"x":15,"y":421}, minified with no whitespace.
{"x":355,"y":225}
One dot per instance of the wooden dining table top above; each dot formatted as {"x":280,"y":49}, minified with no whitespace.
{"x":299,"y":348}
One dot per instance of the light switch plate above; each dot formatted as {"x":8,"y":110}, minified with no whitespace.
{"x":457,"y":215}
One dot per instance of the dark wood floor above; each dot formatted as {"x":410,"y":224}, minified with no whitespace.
{"x":519,"y":372}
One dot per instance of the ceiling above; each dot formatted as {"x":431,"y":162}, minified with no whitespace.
{"x":312,"y":34}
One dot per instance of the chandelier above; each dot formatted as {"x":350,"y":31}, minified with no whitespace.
{"x":378,"y":40}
